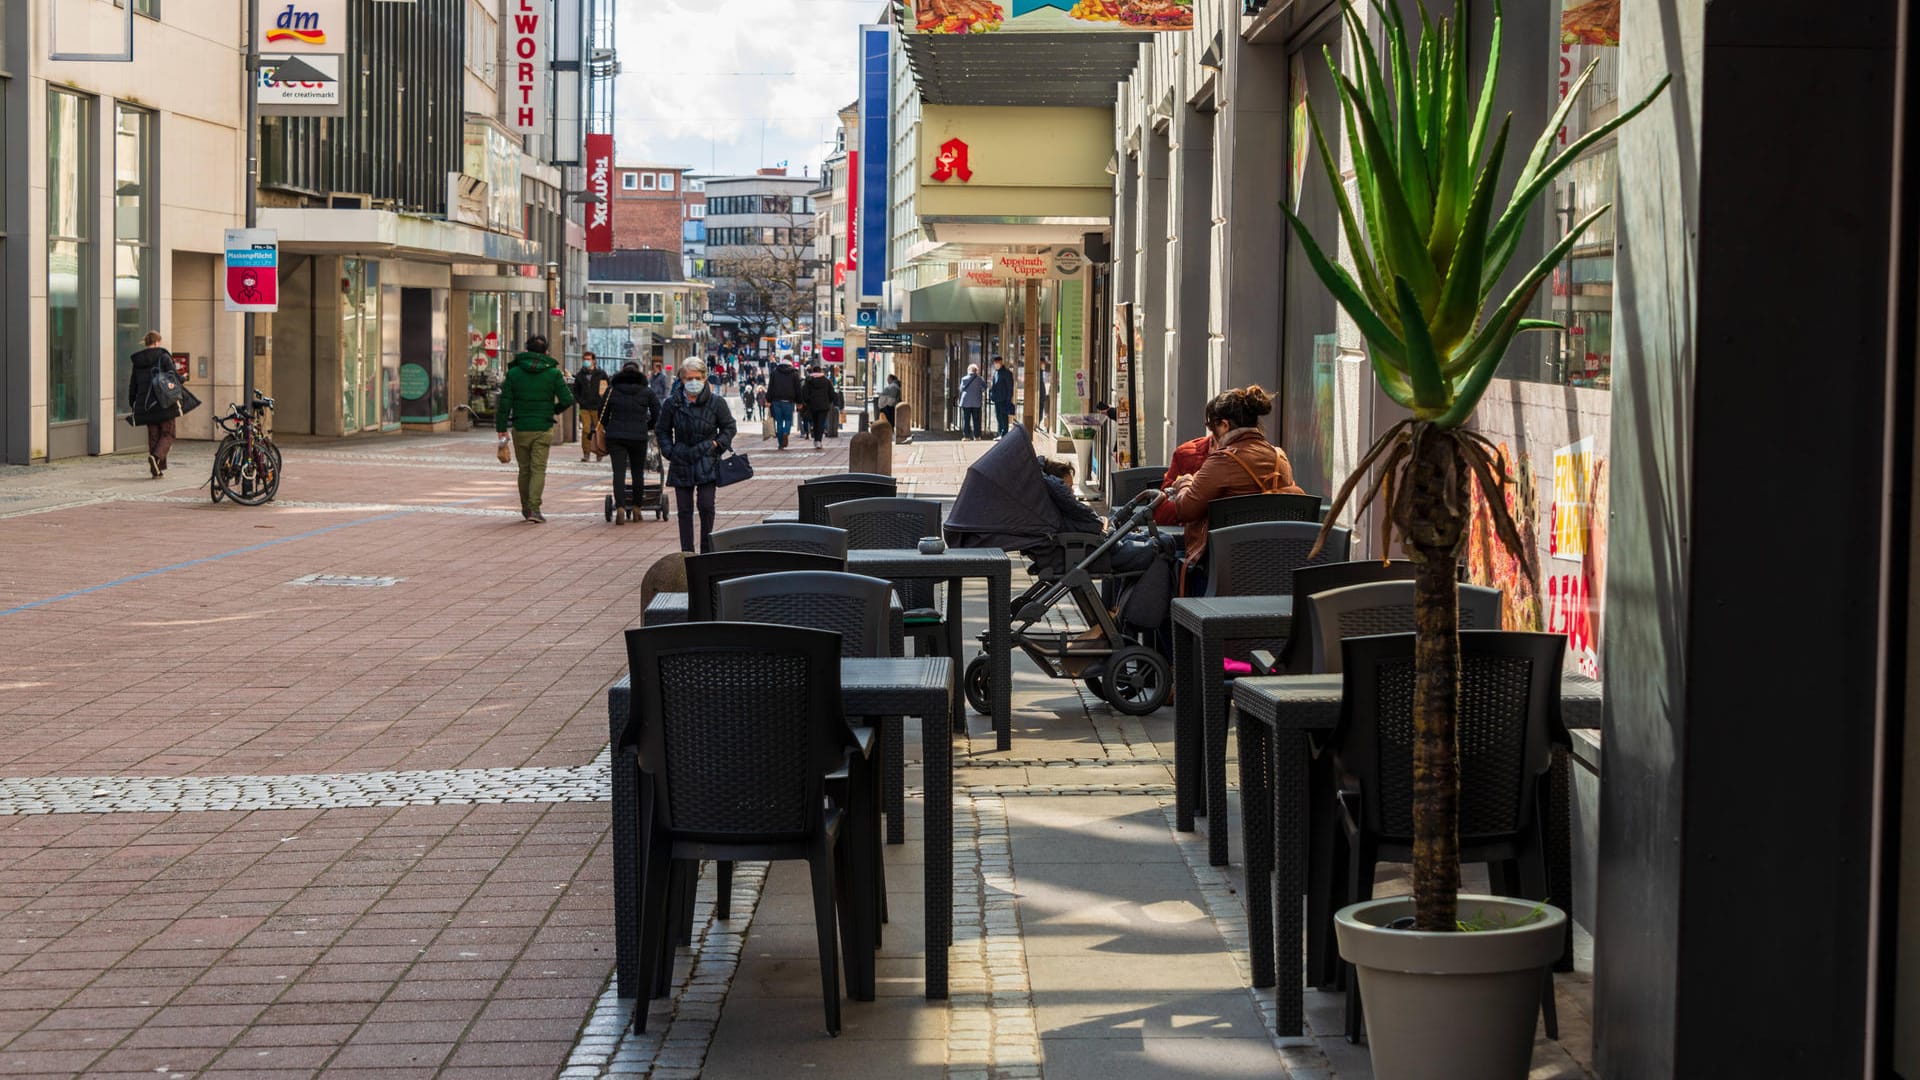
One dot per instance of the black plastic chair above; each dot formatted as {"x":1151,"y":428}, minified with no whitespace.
{"x":783,"y":536}
{"x":1259,"y":559}
{"x":823,"y":491}
{"x":1249,"y":509}
{"x":1507,"y":730}
{"x":899,"y":523}
{"x":737,"y":727}
{"x":1127,"y":483}
{"x":1327,"y":618}
{"x":860,"y":610}
{"x":1297,"y":657}
{"x":705,"y":572}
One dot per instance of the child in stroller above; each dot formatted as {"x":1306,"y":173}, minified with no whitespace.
{"x":1119,"y":577}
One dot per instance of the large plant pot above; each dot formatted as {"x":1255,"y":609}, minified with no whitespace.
{"x":1459,"y":1006}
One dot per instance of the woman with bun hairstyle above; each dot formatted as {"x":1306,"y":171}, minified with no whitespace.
{"x":1241,"y":462}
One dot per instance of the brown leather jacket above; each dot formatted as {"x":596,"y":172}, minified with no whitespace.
{"x":1246,"y":464}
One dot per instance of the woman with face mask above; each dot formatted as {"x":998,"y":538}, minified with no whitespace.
{"x":1241,"y":462}
{"x":696,"y":430}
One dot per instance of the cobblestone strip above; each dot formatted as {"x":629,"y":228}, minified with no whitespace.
{"x":164,"y":794}
{"x":991,"y":1032}
{"x":680,"y":1025}
{"x":1301,"y":1057}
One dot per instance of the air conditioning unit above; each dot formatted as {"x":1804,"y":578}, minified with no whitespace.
{"x":347,"y":200}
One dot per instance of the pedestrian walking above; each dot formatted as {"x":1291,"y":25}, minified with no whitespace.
{"x":660,"y":382}
{"x":1002,"y":394}
{"x":888,"y":398}
{"x":973,"y":395}
{"x":696,"y":430}
{"x":820,"y":398}
{"x":628,"y":415}
{"x":783,"y":392}
{"x":158,"y":399}
{"x":590,"y":390}
{"x":534,"y":392}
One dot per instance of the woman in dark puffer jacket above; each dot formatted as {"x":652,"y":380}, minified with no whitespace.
{"x":696,"y":430}
{"x":629,"y":412}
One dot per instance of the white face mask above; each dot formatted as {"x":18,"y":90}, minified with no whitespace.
{"x":694,"y":386}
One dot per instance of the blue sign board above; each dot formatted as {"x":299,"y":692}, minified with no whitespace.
{"x":876,"y":185}
{"x":867,"y":316}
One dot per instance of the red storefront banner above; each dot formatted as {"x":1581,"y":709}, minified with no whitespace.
{"x":600,"y":182}
{"x":853,"y":210}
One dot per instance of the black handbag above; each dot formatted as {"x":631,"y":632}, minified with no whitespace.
{"x":732,"y":469}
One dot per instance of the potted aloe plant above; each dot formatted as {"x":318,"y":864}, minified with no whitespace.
{"x":1426,"y":249}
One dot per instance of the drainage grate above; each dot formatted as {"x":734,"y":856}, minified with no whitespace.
{"x":348,"y":581}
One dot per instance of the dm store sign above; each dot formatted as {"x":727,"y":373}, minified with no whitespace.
{"x":304,"y":26}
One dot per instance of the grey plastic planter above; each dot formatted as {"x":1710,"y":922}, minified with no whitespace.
{"x":1458,"y":1006}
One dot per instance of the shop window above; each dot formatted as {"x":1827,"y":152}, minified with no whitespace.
{"x":69,"y":253}
{"x":133,"y":294}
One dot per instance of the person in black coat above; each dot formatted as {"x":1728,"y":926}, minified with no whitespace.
{"x":696,"y":430}
{"x":819,"y":397}
{"x":589,"y":389}
{"x":628,"y":413}
{"x":159,"y":421}
{"x":1002,"y":393}
{"x":783,"y":389}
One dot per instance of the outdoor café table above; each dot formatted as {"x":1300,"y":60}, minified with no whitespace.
{"x":1276,"y":715}
{"x":669,"y":608}
{"x":1202,"y":626}
{"x":954,"y":566}
{"x":913,"y":686}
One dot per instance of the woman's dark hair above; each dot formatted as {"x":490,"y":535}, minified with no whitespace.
{"x":630,"y":366}
{"x":536,"y":344}
{"x":1059,"y":470}
{"x":1241,"y":408}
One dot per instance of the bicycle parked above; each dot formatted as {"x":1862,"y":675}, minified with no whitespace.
{"x":246,"y":467}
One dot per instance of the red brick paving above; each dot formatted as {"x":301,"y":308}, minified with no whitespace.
{"x":379,"y":942}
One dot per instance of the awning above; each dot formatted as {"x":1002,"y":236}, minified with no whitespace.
{"x":384,"y":232}
{"x":1022,"y":69}
{"x":954,"y":303}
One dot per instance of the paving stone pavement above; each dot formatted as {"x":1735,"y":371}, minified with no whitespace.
{"x":250,"y":827}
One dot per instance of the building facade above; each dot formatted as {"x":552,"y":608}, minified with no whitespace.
{"x":640,"y":307}
{"x":114,"y":195}
{"x":651,"y":206}
{"x":760,"y":259}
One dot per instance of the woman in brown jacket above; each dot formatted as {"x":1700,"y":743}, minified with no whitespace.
{"x":1242,"y":462}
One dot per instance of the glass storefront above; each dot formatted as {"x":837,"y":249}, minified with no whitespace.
{"x":133,"y":299}
{"x":69,"y":253}
{"x":359,"y":345}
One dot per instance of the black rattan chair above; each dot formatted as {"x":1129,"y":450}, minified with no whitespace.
{"x":1249,"y":509}
{"x":859,"y":609}
{"x":706,"y":572}
{"x":1127,"y":483}
{"x":1259,"y":559}
{"x":783,"y":536}
{"x":1508,"y":727}
{"x":823,"y":491}
{"x":899,"y":523}
{"x":738,"y":726}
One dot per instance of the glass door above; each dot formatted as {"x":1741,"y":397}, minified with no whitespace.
{"x":359,"y":346}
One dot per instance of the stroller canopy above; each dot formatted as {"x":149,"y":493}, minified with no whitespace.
{"x":1003,"y":501}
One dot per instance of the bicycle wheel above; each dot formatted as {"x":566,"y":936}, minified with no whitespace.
{"x":216,"y":484}
{"x":249,"y":478}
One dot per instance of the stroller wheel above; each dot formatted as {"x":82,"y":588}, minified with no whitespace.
{"x":977,"y":685}
{"x":609,"y":508}
{"x":1092,"y":683}
{"x":1137,"y":680}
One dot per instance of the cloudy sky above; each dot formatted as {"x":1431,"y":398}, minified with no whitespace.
{"x":709,"y":83}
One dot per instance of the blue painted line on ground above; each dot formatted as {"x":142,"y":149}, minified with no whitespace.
{"x":204,"y":559}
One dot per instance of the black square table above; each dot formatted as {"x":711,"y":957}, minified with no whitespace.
{"x":916,"y":686}
{"x":954,"y":566}
{"x":1202,"y":626}
{"x":1277,"y":713}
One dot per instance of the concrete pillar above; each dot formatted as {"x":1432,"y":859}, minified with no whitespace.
{"x":1188,"y":284}
{"x":1151,"y":268}
{"x":1251,"y":156}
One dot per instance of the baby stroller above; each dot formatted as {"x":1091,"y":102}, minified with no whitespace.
{"x":1004,"y":503}
{"x":650,"y":496}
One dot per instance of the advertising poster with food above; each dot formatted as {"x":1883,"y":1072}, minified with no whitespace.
{"x":1050,"y":16}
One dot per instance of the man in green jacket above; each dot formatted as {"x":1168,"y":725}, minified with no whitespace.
{"x":535,"y":390}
